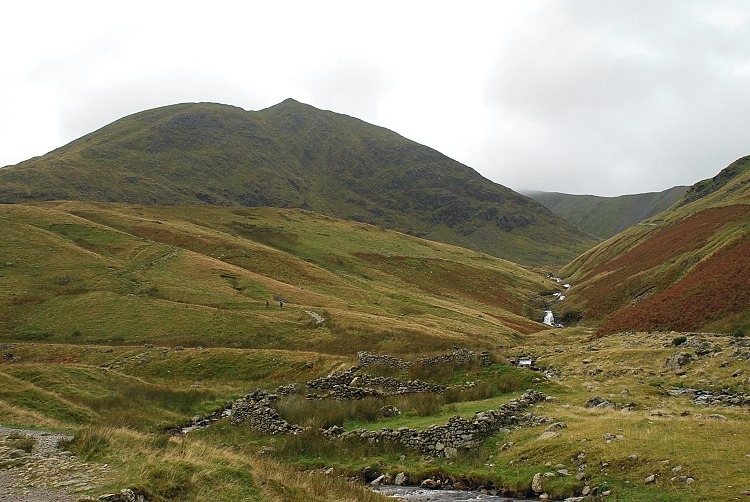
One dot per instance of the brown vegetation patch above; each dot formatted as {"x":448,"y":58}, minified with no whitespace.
{"x":688,"y":234}
{"x":642,"y":268}
{"x":716,"y":288}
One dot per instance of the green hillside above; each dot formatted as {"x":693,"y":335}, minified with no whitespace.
{"x":127,"y":328}
{"x":607,"y":216}
{"x":121,"y":323}
{"x":100,"y":273}
{"x":685,"y":269}
{"x":295,"y":156}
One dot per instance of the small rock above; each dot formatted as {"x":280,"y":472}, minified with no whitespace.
{"x":650,"y":479}
{"x":401,"y":479}
{"x":556,"y":426}
{"x":536,"y":483}
{"x":378,"y":481}
{"x":431,"y":484}
{"x":547,"y":435}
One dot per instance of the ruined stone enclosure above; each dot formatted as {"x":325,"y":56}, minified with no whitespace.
{"x":257,"y":410}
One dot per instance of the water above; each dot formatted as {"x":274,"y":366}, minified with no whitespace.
{"x":202,"y":423}
{"x":549,"y":318}
{"x":416,"y":494}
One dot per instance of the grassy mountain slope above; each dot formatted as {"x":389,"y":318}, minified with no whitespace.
{"x":295,"y":156}
{"x":102,"y":273}
{"x":685,"y":269}
{"x":607,"y":216}
{"x":120,"y":321}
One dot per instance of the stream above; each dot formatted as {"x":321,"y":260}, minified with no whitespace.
{"x":417,"y":494}
{"x":202,"y":423}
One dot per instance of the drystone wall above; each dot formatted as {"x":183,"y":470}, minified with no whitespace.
{"x":458,"y":355}
{"x":459,"y":433}
{"x":438,"y":440}
{"x":256,"y":409}
{"x":345,"y":385}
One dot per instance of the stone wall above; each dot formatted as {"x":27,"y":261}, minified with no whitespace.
{"x":438,"y":440}
{"x":255,"y":409}
{"x":349,"y":384}
{"x":459,"y":433}
{"x":458,"y":355}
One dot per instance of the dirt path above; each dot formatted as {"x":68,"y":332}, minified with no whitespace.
{"x":34,"y":469}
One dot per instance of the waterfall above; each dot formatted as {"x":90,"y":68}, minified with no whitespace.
{"x":549,"y":318}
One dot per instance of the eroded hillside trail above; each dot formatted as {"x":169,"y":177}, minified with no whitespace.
{"x":33,"y":468}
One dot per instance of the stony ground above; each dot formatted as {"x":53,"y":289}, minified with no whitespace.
{"x":33,"y":468}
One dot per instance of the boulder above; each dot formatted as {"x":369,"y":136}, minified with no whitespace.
{"x":676,"y":361}
{"x":380,"y":480}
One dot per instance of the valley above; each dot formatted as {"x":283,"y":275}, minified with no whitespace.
{"x":163,"y":338}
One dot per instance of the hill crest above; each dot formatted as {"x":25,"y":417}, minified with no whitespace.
{"x":295,"y":155}
{"x":608,"y":216}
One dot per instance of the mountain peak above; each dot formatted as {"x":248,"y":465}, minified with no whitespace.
{"x":294,"y":155}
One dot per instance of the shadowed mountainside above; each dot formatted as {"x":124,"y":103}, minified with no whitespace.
{"x":293,"y":155}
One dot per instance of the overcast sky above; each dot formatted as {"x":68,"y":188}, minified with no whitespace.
{"x":605,"y":97}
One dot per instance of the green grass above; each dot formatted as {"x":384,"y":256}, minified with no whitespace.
{"x":108,"y":274}
{"x":295,"y":156}
{"x":121,"y":321}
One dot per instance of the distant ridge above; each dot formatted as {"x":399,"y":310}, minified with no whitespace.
{"x":607,"y":216}
{"x":293,"y":155}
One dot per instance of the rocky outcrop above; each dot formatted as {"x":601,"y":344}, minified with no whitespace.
{"x":708,"y":398}
{"x":678,"y":360}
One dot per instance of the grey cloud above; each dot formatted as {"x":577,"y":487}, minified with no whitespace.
{"x":350,"y":86}
{"x":607,"y":95}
